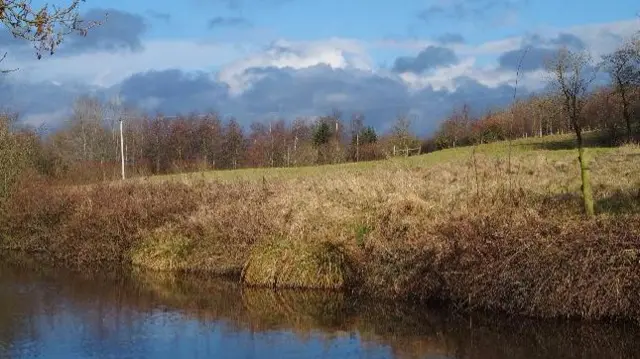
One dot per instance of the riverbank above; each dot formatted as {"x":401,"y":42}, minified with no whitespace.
{"x":447,"y":226}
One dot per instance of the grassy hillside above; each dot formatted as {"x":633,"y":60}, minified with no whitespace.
{"x":552,"y":147}
{"x":451,"y":225}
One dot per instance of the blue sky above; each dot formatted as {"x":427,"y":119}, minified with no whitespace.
{"x":251,"y":58}
{"x":374,"y":19}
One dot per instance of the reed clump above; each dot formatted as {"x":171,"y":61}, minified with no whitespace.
{"x":163,"y":249}
{"x":285,"y":263}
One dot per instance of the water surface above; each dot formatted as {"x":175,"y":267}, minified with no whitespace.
{"x":61,"y":314}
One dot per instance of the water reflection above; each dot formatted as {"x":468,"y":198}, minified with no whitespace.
{"x":57,"y":314}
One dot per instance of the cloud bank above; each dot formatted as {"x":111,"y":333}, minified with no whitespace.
{"x":285,"y":78}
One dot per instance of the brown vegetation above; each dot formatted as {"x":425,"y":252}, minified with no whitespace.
{"x":445,"y":226}
{"x":282,"y":263}
{"x":448,"y":231}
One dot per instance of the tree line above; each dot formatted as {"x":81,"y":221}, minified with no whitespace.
{"x":613,"y":108}
{"x":87,"y":147}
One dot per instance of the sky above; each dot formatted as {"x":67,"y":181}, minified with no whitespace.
{"x":258,"y":59}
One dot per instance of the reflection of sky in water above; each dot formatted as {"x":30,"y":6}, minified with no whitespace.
{"x":77,"y":333}
{"x":65,"y":316}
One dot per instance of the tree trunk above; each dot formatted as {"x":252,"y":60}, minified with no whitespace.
{"x":585,"y":174}
{"x":626,"y":114}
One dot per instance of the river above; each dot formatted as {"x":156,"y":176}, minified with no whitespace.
{"x":53,"y":313}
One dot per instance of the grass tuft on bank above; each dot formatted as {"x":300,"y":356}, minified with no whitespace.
{"x":285,"y":263}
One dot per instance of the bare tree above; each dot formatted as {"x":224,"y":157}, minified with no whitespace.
{"x":13,"y":154}
{"x":623,"y":65}
{"x":234,"y":145}
{"x":86,"y":130}
{"x":45,"y":26}
{"x":357,"y":126}
{"x":401,"y":135}
{"x":573,"y":73}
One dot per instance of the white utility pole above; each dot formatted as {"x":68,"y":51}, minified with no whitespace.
{"x":122,"y":147}
{"x":357,"y":147}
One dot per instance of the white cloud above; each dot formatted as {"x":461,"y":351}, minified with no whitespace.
{"x":301,"y":89}
{"x":445,"y":78}
{"x":601,"y":38}
{"x":336,"y":53}
{"x":106,"y":69}
{"x":440,"y":79}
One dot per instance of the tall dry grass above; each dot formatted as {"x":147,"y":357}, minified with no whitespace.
{"x":419,"y":229}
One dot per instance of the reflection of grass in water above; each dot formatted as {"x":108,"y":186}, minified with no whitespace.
{"x":198,"y":296}
{"x":411,"y":332}
{"x":324,"y":314}
{"x":304,"y":310}
{"x":513,"y":337}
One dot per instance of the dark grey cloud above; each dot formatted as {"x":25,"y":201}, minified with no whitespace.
{"x":233,"y":21}
{"x":468,"y":9}
{"x":44,"y":100}
{"x":562,"y":39}
{"x":427,"y":59}
{"x":119,"y":31}
{"x":159,"y":15}
{"x":538,"y":51}
{"x":451,"y":38}
{"x":534,"y":58}
{"x":569,"y":40}
{"x":312,"y":91}
{"x":290,"y":92}
{"x":318,"y":89}
{"x":173,"y":91}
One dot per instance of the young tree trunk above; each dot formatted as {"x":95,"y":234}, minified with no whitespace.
{"x":626,"y":114}
{"x":585,"y":174}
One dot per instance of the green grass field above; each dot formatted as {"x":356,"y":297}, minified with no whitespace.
{"x":554,"y":147}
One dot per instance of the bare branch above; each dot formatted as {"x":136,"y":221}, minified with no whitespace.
{"x":6,"y":71}
{"x":46,"y":26}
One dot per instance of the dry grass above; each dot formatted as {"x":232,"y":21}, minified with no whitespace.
{"x":163,"y":249}
{"x":281,"y":263}
{"x":444,"y":226}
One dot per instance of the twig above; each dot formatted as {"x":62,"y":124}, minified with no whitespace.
{"x":475,"y":170}
{"x":515,"y":91}
{"x":4,"y":56}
